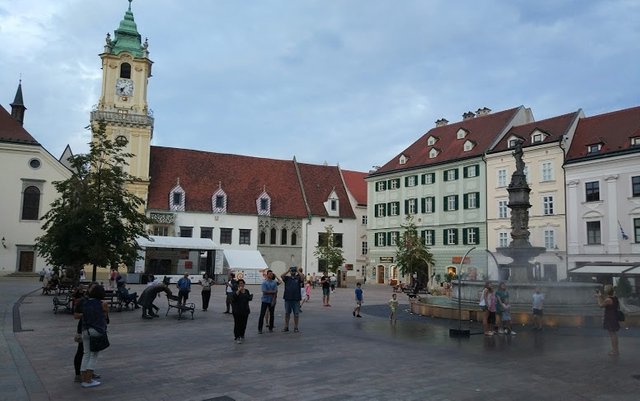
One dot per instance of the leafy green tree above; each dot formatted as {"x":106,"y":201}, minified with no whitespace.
{"x":412,"y":255}
{"x":328,"y":250}
{"x":96,"y":219}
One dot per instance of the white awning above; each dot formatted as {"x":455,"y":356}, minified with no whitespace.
{"x":244,"y":259}
{"x":201,"y":244}
{"x":621,"y":269}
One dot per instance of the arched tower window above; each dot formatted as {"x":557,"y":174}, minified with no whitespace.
{"x":283,"y":237}
{"x":294,"y":238}
{"x":263,"y":237}
{"x":272,"y":240}
{"x":30,"y":203}
{"x":125,"y":70}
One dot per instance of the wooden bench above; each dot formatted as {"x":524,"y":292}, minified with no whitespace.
{"x":111,"y":297}
{"x":172,"y":302}
{"x":62,"y":301}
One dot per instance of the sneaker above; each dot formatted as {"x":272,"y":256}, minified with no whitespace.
{"x":358,"y":316}
{"x":513,"y":333}
{"x":296,"y":330}
{"x":501,"y":331}
{"x":488,"y":333}
{"x":240,"y":341}
{"x":92,"y":383}
{"x":285,"y":329}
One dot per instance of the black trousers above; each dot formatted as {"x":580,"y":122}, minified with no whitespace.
{"x":77,"y":359}
{"x":240,"y":324}
{"x":206,"y":296}
{"x":263,"y":311}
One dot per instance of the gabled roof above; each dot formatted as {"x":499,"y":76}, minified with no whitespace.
{"x":12,"y":131}
{"x":483,"y":130}
{"x":613,"y":130}
{"x":243,"y":178}
{"x":318,"y":182}
{"x":554,"y":127}
{"x":356,"y":184}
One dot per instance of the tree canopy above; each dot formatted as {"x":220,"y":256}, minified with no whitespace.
{"x":96,"y":220}
{"x":412,"y":255}
{"x":328,"y":250}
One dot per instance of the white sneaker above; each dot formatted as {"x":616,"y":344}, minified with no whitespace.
{"x":513,"y":333}
{"x":92,"y":383}
{"x":500,"y":331}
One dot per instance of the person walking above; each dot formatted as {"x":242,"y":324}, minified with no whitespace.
{"x":292,"y":280}
{"x":393,"y":307}
{"x":326,"y":289}
{"x":206,"y":283}
{"x":230,"y":287}
{"x":94,"y":315}
{"x":537,"y":308}
{"x":240,"y":303}
{"x":269,"y":292}
{"x":610,"y":322}
{"x":359,"y":299}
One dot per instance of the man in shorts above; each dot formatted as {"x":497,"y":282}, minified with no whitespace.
{"x":292,"y":281}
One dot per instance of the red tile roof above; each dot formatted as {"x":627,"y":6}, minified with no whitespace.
{"x":318,"y":182}
{"x":482,"y":130}
{"x":357,"y":185}
{"x":243,"y":179}
{"x":613,"y":130}
{"x":555,"y":127}
{"x":12,"y":131}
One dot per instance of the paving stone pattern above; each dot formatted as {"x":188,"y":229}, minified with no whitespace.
{"x":334,"y":357}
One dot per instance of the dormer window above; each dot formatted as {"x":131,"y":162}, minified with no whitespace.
{"x":177,"y":198}
{"x":263,"y":204}
{"x":594,"y":148}
{"x":219,"y":201}
{"x":433,"y":153}
{"x":431,"y":140}
{"x":462,"y":133}
{"x":513,"y":141}
{"x":635,"y":141}
{"x":403,"y":159}
{"x":468,"y":145}
{"x":332,"y":204}
{"x":537,"y":137}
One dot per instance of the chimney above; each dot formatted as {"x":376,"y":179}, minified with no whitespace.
{"x":483,"y":111}
{"x":441,"y":122}
{"x":468,"y":115}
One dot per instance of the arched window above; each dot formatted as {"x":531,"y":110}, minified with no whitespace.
{"x":30,"y":203}
{"x":263,"y":237}
{"x":283,"y":237}
{"x":125,"y":70}
{"x":272,"y":240}
{"x":294,"y":238}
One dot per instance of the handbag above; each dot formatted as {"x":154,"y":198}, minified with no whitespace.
{"x":621,"y":316}
{"x":98,"y":342}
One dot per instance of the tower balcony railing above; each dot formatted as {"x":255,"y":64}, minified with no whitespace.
{"x":122,"y":118}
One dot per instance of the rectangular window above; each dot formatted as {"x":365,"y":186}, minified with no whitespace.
{"x":186,"y":231}
{"x":471,"y":236}
{"x":245,"y":237}
{"x":502,"y":178}
{"x":264,"y":204}
{"x":177,"y":198}
{"x":225,"y":235}
{"x":160,"y":231}
{"x":472,"y":200}
{"x":451,"y":236}
{"x":381,"y":186}
{"x":394,"y":208}
{"x":547,"y":205}
{"x":635,"y":186}
{"x":503,"y":209}
{"x":592,"y":191}
{"x":334,"y":204}
{"x":206,"y":232}
{"x":411,"y":181}
{"x":428,"y":178}
{"x":429,"y":237}
{"x":451,"y":175}
{"x":412,"y":206}
{"x":450,"y":203}
{"x":549,"y":239}
{"x":503,"y":239}
{"x":547,"y":171}
{"x":381,"y":239}
{"x":636,"y":230}
{"x":429,"y":204}
{"x":219,"y":201}
{"x":394,"y":183}
{"x":393,"y":238}
{"x":593,"y":233}
{"x":381,"y":210}
{"x":471,"y":171}
{"x":364,"y":220}
{"x":365,"y":247}
{"x":337,"y":240}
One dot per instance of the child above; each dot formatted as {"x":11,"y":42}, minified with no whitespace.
{"x":505,"y":317}
{"x":393,"y":306}
{"x":359,"y":298}
{"x":307,"y":290}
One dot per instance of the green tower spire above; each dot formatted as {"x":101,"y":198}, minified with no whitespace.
{"x":127,"y":38}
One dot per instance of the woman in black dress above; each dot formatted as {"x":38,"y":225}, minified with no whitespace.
{"x":240,"y":303}
{"x":611,"y":305}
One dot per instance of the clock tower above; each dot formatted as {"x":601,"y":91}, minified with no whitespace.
{"x":126,"y":69}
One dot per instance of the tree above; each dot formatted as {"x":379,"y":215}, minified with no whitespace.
{"x":328,"y":251}
{"x":412,"y":255}
{"x":96,"y":220}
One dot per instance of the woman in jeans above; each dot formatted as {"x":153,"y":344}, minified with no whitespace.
{"x":94,"y":315}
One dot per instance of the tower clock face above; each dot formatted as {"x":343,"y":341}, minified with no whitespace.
{"x":124,"y":87}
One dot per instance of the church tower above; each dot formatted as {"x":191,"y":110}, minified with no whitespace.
{"x":126,"y":69}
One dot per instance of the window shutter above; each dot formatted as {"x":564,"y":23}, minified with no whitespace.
{"x":465,"y":172}
{"x":375,"y":211}
{"x":456,"y":202}
{"x":478,"y":200}
{"x":406,"y":206}
{"x":444,"y":176}
{"x":433,"y":204}
{"x":388,"y":242}
{"x":456,"y":173}
{"x":455,"y":236}
{"x":423,"y":179}
{"x":433,"y":237}
{"x":445,"y":237}
{"x":433,"y":177}
{"x":465,"y":201}
{"x":445,"y":204}
{"x":423,"y":207}
{"x":477,"y":230}
{"x":375,"y":239}
{"x":477,"y":168}
{"x":464,"y":236}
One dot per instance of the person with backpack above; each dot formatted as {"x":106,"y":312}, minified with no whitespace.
{"x":184,"y":288}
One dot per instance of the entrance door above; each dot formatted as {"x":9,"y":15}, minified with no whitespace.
{"x":380,"y":273}
{"x":26,"y":261}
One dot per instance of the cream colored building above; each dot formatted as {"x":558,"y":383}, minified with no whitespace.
{"x":544,"y":145}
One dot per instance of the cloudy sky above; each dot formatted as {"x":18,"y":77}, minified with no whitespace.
{"x":346,"y":82}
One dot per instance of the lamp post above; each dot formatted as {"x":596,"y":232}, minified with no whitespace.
{"x":459,"y":332}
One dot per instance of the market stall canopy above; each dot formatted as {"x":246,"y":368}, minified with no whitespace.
{"x":201,"y":244}
{"x":611,"y":269}
{"x":244,"y":259}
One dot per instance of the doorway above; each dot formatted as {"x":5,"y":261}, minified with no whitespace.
{"x":25,"y":263}
{"x":380,"y":274}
